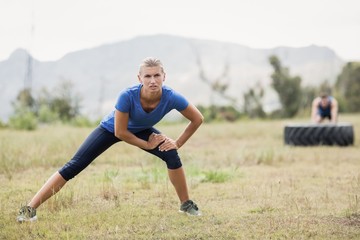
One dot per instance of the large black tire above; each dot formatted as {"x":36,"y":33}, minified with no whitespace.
{"x":341,"y":134}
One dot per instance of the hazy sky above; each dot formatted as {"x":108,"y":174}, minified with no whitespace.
{"x":62,"y":26}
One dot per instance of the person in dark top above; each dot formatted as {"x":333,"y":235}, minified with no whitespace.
{"x":324,"y":107}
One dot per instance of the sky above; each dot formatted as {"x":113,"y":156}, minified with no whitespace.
{"x":49,"y":29}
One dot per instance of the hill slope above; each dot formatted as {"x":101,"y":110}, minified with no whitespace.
{"x":100,"y":73}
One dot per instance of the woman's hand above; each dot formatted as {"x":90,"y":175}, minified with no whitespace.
{"x":154,"y":140}
{"x":168,"y":144}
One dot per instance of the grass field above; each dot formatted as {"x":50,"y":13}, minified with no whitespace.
{"x":248,"y":184}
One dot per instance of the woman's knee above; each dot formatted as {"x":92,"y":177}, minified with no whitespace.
{"x":172,"y":159}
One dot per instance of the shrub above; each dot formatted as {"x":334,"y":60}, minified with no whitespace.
{"x":23,"y":120}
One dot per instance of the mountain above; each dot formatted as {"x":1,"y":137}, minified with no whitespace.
{"x":98,"y":74}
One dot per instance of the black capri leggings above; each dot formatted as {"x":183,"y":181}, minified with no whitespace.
{"x":100,"y":140}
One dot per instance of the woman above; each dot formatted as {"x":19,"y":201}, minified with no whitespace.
{"x":137,"y":110}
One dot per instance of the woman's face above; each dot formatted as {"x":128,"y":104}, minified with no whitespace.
{"x":152,"y":78}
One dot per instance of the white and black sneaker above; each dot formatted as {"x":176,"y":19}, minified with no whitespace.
{"x":190,"y":208}
{"x":26,"y":214}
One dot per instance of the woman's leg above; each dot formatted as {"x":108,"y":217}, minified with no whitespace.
{"x":177,"y":178}
{"x":95,"y":144}
{"x":52,"y":186}
{"x":175,"y":171}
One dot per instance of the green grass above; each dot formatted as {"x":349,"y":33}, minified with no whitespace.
{"x":248,"y":184}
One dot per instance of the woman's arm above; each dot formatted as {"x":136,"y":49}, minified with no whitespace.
{"x":196,"y":119}
{"x":121,"y":132}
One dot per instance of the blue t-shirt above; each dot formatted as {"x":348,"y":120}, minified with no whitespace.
{"x":129,"y":102}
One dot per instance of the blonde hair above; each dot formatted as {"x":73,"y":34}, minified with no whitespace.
{"x":151,"y":62}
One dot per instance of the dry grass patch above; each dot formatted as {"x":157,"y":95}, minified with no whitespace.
{"x":248,"y":184}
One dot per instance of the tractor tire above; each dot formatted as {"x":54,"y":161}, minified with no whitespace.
{"x":341,"y":134}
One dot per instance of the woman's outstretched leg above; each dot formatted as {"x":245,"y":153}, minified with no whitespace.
{"x":51,"y":187}
{"x":95,"y":144}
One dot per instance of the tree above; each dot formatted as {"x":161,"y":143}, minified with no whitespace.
{"x":287,"y":87}
{"x":24,"y":100}
{"x":24,"y":111}
{"x":348,"y":87}
{"x":65,"y":102}
{"x":59,"y":104}
{"x":218,"y":87}
{"x":43,"y":105}
{"x":253,"y":102}
{"x":309,"y":93}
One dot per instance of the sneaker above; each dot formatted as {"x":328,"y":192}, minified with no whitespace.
{"x":26,"y":214}
{"x":190,"y":208}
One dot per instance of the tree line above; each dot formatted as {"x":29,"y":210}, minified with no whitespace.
{"x":62,"y":104}
{"x":59,"y":105}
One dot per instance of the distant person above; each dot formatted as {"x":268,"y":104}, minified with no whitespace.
{"x":137,"y":110}
{"x":324,"y":107}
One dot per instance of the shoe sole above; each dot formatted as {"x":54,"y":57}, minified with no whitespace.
{"x":22,"y":220}
{"x":189,"y":214}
